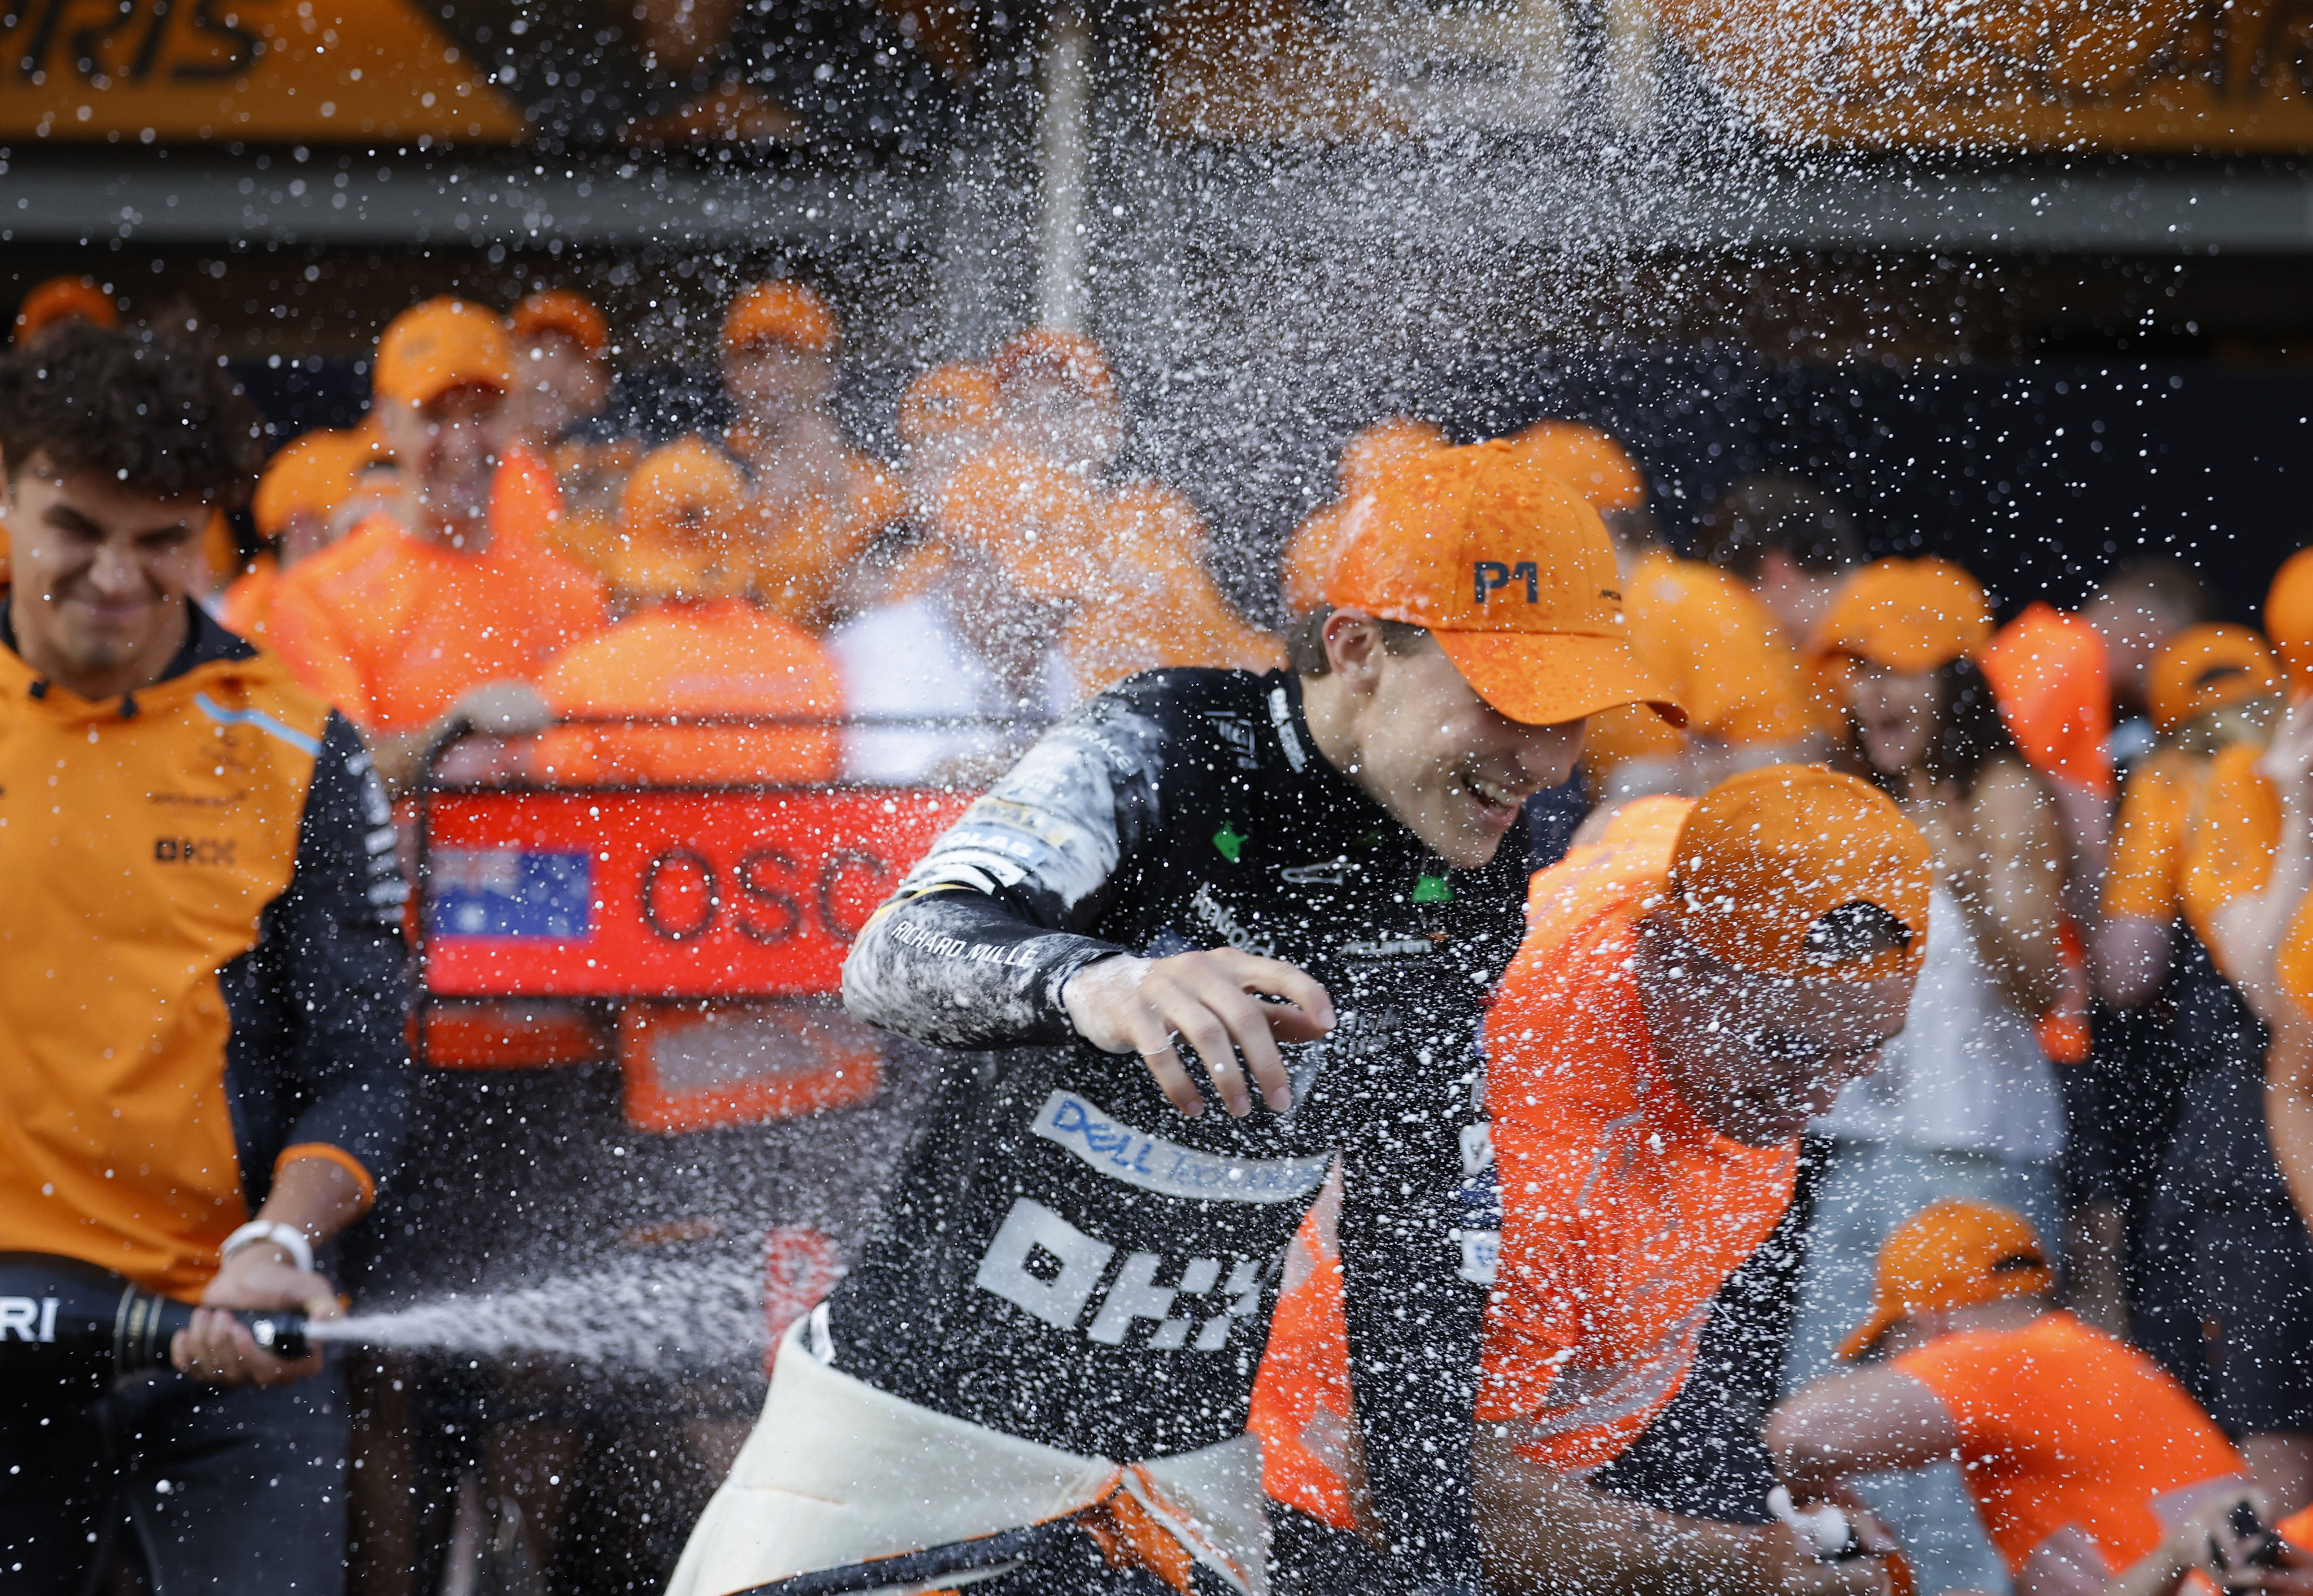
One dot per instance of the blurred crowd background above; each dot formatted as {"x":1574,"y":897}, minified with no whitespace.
{"x":687,"y":393}
{"x":500,"y":570}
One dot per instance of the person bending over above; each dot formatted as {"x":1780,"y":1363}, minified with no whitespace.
{"x":1058,"y":1319}
{"x":2093,"y":1472}
{"x":1648,"y":1079}
{"x":1688,"y":991}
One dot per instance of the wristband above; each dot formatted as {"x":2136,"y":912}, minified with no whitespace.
{"x":287,"y":1237}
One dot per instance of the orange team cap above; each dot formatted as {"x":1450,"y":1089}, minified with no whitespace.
{"x":954,"y":398}
{"x":1907,"y":615}
{"x":1952,"y":1254}
{"x":2288,"y":617}
{"x":2206,"y":668}
{"x":1511,"y":570}
{"x":683,"y":512}
{"x":1795,"y":870}
{"x":1373,"y":451}
{"x":781,"y":312}
{"x":558,"y":310}
{"x":1597,"y":467}
{"x":64,"y":299}
{"x":443,"y":344}
{"x":1053,"y":351}
{"x":311,"y":474}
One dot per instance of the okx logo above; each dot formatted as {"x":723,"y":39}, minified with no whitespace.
{"x":1490,"y":576}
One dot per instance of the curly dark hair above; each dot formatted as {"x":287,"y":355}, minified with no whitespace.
{"x":1969,"y":734}
{"x":157,"y":415}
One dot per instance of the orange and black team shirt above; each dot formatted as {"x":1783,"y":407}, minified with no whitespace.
{"x":201,"y":973}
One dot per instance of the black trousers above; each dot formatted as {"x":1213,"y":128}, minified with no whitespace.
{"x":238,"y":1492}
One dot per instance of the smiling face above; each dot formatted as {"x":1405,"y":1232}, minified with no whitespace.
{"x":1755,"y":1056}
{"x":102,"y":576}
{"x":1415,"y":736}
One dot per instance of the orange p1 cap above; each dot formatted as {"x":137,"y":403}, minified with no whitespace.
{"x":781,"y":312}
{"x":2288,"y":617}
{"x":558,"y":310}
{"x":1952,"y":1254}
{"x":64,"y":299}
{"x":1907,"y":615}
{"x":953,"y":398}
{"x":439,"y":344}
{"x":2206,"y":668}
{"x":1511,"y":570}
{"x":681,"y":514}
{"x":1596,"y":466}
{"x":311,"y":474}
{"x":1795,"y":870}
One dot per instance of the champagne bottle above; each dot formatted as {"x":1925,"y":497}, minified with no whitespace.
{"x":75,"y":1325}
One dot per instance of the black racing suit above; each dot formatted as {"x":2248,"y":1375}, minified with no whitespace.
{"x":1065,"y":1256}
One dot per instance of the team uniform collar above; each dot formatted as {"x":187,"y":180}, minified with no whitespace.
{"x":206,"y":643}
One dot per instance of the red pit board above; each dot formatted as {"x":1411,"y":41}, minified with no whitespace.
{"x":661,"y":894}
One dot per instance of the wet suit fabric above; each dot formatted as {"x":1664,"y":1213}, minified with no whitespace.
{"x":1067,"y":1259}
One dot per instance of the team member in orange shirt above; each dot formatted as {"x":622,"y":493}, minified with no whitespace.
{"x":2082,"y":1455}
{"x":1688,"y":992}
{"x":2228,"y":1302}
{"x":692,"y":643}
{"x":1123,"y":564}
{"x":822,"y":505}
{"x":2137,"y":611}
{"x":561,"y":383}
{"x":202,"y":989}
{"x":2212,"y":686}
{"x":1158,"y":605}
{"x":1371,"y":453}
{"x":560,"y":378}
{"x":1648,"y":1078}
{"x":446,"y":611}
{"x":2252,"y":857}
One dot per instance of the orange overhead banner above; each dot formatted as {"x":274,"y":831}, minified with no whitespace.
{"x":2175,"y":76}
{"x":2150,"y":75}
{"x":260,"y":70}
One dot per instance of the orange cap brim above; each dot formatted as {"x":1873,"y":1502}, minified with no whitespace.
{"x":1543,"y":679}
